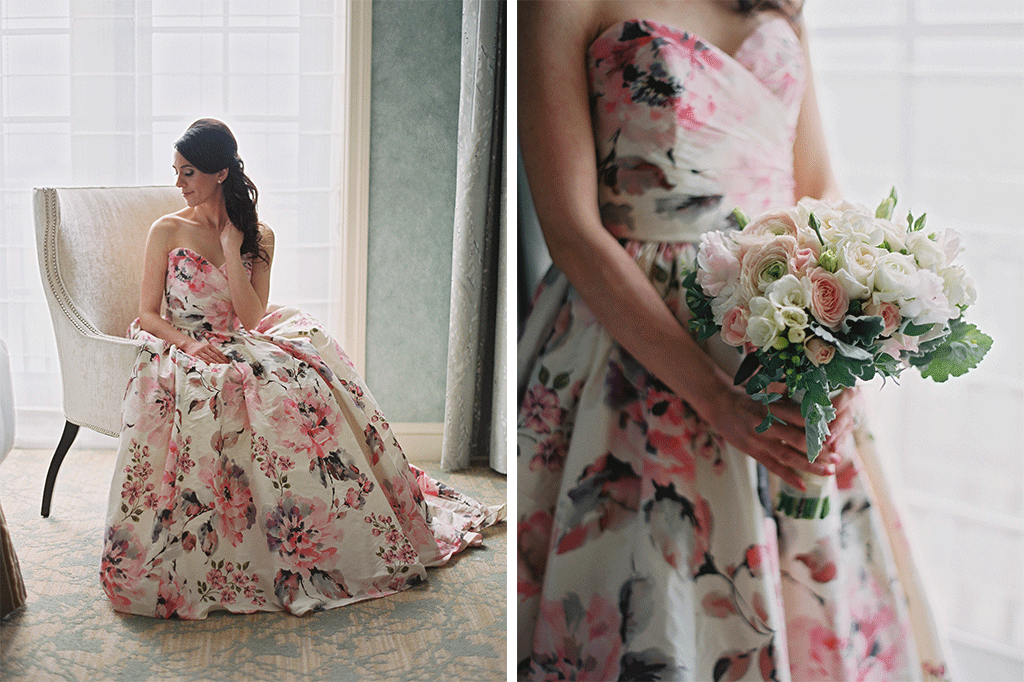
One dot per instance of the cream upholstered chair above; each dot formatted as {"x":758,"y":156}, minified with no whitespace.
{"x":90,"y":243}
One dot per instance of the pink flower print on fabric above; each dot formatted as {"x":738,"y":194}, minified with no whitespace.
{"x":123,"y":565}
{"x":234,"y":510}
{"x":580,"y":642}
{"x":541,"y":409}
{"x":304,"y":532}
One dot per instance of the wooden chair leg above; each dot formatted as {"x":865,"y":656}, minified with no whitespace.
{"x":66,"y":439}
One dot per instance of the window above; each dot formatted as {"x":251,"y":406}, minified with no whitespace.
{"x":94,"y":93}
{"x":928,"y":95}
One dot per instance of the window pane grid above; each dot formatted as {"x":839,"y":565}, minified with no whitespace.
{"x":945,"y":83}
{"x":96,"y":98}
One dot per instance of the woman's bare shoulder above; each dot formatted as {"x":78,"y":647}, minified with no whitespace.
{"x":167,"y":228}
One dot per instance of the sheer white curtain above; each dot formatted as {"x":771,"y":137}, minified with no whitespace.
{"x":95,"y":93}
{"x":928,"y":95}
{"x":475,"y":420}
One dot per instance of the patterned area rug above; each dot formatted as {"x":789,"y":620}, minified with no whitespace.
{"x":451,"y":628}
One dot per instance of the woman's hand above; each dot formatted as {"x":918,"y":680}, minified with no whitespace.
{"x":840,"y":428}
{"x":231,"y":240}
{"x":205,"y":351}
{"x":782,"y":449}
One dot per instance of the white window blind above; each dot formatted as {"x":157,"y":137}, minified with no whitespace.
{"x":928,"y":95}
{"x":95,"y":92}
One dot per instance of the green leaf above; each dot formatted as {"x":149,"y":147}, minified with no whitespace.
{"x":769,"y":419}
{"x":561,"y":381}
{"x":660,"y":274}
{"x":817,"y":411}
{"x":544,"y":375}
{"x":842,"y":347}
{"x":911,"y":329}
{"x":843,"y":371}
{"x":959,"y":352}
{"x":919,"y":223}
{"x":747,"y":367}
{"x":863,"y":329}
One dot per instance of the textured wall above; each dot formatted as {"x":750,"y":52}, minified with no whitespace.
{"x":414,"y":128}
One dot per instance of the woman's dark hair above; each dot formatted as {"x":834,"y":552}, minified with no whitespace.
{"x":790,"y":8}
{"x":209,"y":146}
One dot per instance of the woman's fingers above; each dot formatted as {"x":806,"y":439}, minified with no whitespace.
{"x":782,"y":471}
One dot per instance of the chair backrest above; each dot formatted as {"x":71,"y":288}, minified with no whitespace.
{"x":91,"y":242}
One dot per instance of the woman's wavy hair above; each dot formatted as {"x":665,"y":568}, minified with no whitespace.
{"x":788,"y":7}
{"x":209,"y":146}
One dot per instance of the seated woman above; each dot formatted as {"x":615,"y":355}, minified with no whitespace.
{"x":255,"y":471}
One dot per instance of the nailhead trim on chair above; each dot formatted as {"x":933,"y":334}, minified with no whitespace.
{"x":56,"y":285}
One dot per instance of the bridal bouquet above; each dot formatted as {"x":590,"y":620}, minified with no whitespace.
{"x":824,"y":294}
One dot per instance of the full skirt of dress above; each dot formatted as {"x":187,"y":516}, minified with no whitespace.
{"x":272,"y":482}
{"x":648,"y":548}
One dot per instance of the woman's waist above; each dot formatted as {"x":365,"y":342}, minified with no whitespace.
{"x":682,"y":211}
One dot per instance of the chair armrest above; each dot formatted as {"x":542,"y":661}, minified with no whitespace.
{"x":95,"y":369}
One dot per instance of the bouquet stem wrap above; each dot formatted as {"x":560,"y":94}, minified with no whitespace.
{"x":813,"y":503}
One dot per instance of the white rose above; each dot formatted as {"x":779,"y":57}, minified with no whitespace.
{"x":858,"y":260}
{"x":894,"y":234}
{"x":892,"y":278}
{"x":851,"y":285}
{"x":926,"y":252}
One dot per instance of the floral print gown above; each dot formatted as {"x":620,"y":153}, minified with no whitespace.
{"x":272,"y":482}
{"x":648,"y":548}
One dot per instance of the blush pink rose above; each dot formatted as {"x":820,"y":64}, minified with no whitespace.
{"x":890,"y":314}
{"x":819,"y":352}
{"x":734,"y":326}
{"x":829,"y":300}
{"x":803,"y":261}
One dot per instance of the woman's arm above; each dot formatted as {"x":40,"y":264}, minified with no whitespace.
{"x":154,"y":276}
{"x":812,"y":169}
{"x":557,"y":145}
{"x":249,"y":294}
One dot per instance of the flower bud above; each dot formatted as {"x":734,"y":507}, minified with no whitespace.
{"x":828,"y":260}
